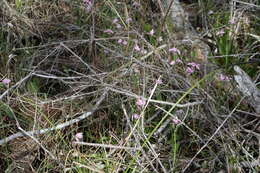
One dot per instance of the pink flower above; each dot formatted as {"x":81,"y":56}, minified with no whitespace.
{"x":124,"y":42}
{"x":140,"y":102}
{"x":120,"y":41}
{"x":136,"y":116}
{"x":137,"y":48}
{"x":175,"y":121}
{"x":175,"y":50}
{"x":6,"y":81}
{"x":158,"y":81}
{"x":194,"y":65}
{"x":173,"y":62}
{"x":151,"y":32}
{"x":232,"y":21}
{"x":115,"y":20}
{"x":178,"y":60}
{"x":79,"y":137}
{"x":109,"y":31}
{"x":118,"y":26}
{"x":224,"y":77}
{"x":190,"y":70}
{"x":220,"y":32}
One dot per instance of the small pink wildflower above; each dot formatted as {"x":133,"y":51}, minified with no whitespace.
{"x":190,"y":70}
{"x":124,"y":42}
{"x":151,"y":32}
{"x":79,"y":137}
{"x":118,"y":26}
{"x":115,"y":20}
{"x":175,"y":121}
{"x":194,"y":65}
{"x":6,"y":81}
{"x":136,"y":116}
{"x":119,"y":41}
{"x":175,"y":50}
{"x":158,"y":81}
{"x":232,"y":21}
{"x":173,"y":62}
{"x":109,"y":31}
{"x":140,"y":102}
{"x":224,"y":77}
{"x":137,"y":48}
{"x":220,"y":32}
{"x":178,"y":60}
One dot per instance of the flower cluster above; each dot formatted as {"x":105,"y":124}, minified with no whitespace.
{"x":136,"y":116}
{"x":173,"y":62}
{"x":140,"y":102}
{"x":175,"y":51}
{"x":224,"y":77}
{"x":137,"y":48}
{"x":121,"y":41}
{"x":115,"y":22}
{"x":192,"y":66}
